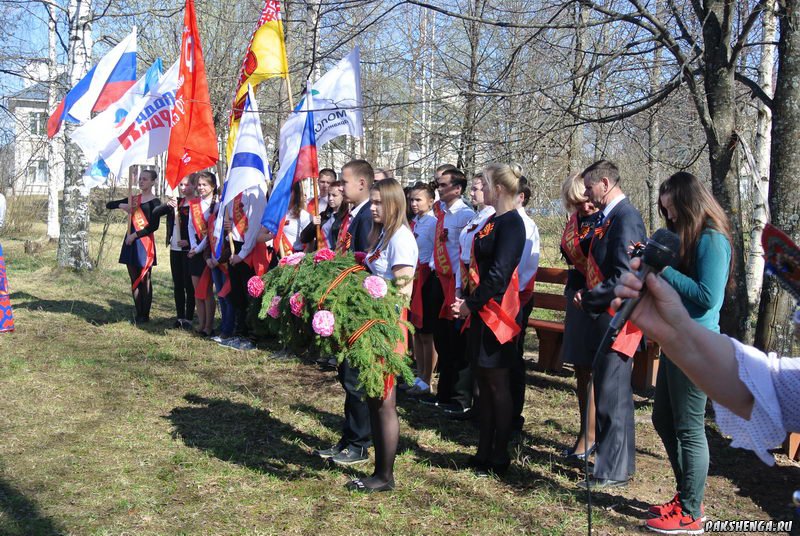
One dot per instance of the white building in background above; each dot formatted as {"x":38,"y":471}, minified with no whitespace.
{"x":32,"y":166}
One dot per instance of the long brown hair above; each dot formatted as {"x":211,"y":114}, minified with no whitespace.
{"x":296,"y":200}
{"x":696,"y":210}
{"x":394,"y":211}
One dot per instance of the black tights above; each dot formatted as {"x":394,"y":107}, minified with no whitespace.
{"x":142,"y":294}
{"x":385,"y":437}
{"x":494,"y":414}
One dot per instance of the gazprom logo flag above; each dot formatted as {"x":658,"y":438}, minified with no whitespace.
{"x":303,"y":165}
{"x":93,"y":136}
{"x":249,"y":166}
{"x":337,"y":103}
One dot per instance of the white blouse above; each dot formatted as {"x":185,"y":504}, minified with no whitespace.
{"x":196,"y":246}
{"x":294,"y":226}
{"x":424,"y":232}
{"x":775,"y":385}
{"x":400,"y":250}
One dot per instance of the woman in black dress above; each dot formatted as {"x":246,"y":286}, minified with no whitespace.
{"x":492,"y":299}
{"x":139,"y":248}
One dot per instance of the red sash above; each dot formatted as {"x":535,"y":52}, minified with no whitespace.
{"x":415,"y":314}
{"x":628,"y":339}
{"x":526,"y":294}
{"x":198,"y":221}
{"x":501,"y":317}
{"x":239,"y":216}
{"x":345,"y":238}
{"x":139,"y":222}
{"x":571,"y":244}
{"x":282,"y":241}
{"x":212,"y":243}
{"x":441,"y":259}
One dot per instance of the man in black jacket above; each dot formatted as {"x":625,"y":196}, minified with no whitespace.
{"x":357,"y":176}
{"x":620,"y":227}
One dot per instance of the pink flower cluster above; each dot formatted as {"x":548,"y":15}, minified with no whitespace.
{"x":323,"y":323}
{"x":360,"y":257}
{"x":255,"y":286}
{"x":376,"y":286}
{"x":296,"y":303}
{"x":273,"y":307}
{"x":292,"y":260}
{"x":324,"y":255}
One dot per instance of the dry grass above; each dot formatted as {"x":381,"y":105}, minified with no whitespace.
{"x":111,"y":429}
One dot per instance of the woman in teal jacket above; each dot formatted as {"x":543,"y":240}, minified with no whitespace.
{"x":700,"y":279}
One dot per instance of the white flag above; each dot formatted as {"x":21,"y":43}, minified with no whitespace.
{"x":145,"y":130}
{"x":337,"y":99}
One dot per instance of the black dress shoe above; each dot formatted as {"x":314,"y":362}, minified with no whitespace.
{"x":581,"y":456}
{"x":350,"y":456}
{"x":327,"y":453}
{"x":596,"y":484}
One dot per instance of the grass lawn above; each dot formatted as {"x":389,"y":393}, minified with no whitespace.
{"x":112,"y":429}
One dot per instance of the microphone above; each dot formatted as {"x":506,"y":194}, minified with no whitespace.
{"x":660,"y":251}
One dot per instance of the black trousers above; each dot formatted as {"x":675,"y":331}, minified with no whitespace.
{"x":356,"y":428}
{"x":518,"y":379}
{"x":182,"y":287}
{"x":455,"y":377}
{"x":613,"y":395}
{"x":240,"y":274}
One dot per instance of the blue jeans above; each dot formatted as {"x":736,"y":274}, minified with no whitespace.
{"x":225,"y":306}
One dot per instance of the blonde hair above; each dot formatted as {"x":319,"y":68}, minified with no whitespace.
{"x":393,"y":200}
{"x":572,"y":190}
{"x":504,"y":175}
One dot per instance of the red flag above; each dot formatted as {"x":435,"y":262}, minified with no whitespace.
{"x":193,"y":141}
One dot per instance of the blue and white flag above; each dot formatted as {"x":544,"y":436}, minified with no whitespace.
{"x":249,"y":168}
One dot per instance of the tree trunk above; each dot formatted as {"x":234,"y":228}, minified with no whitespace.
{"x":653,"y":134}
{"x":760,"y":185}
{"x":575,"y":154}
{"x":310,"y":56}
{"x":774,"y":331}
{"x":719,"y":84}
{"x":466,"y":153}
{"x":73,"y":243}
{"x":52,"y":153}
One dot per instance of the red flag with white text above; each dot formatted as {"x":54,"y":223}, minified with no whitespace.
{"x":193,"y":141}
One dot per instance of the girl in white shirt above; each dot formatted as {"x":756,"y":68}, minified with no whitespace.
{"x":198,"y":239}
{"x":423,"y":312}
{"x":296,"y":220}
{"x":393,"y":256}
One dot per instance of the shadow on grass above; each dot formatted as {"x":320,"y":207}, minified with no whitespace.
{"x":239,"y":433}
{"x":770,"y":488}
{"x":23,"y":515}
{"x":90,"y":312}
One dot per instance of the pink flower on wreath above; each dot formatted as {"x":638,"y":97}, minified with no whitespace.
{"x":323,"y":255}
{"x":296,"y":303}
{"x":273,"y":307}
{"x":255,"y":287}
{"x":376,"y":286}
{"x":295,"y":258}
{"x":282,"y":261}
{"x":322,"y":323}
{"x":360,"y":257}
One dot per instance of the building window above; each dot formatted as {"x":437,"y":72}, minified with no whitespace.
{"x":38,"y":123}
{"x":38,"y":172}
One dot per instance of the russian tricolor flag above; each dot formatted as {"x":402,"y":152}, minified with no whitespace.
{"x":305,"y":165}
{"x":103,"y":85}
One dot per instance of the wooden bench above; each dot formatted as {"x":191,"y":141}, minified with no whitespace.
{"x":551,"y":332}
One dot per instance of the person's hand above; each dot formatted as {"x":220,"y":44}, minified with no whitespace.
{"x":264,"y":235}
{"x":577,"y":301}
{"x":211,"y":262}
{"x":191,"y":253}
{"x":227,"y":225}
{"x":660,"y":314}
{"x":124,"y":207}
{"x":183,"y":243}
{"x":235,"y":259}
{"x":172,"y":201}
{"x":317,"y":220}
{"x":459,"y":308}
{"x":130,"y":239}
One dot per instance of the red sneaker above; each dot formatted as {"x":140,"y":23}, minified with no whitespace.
{"x":658,"y":510}
{"x":676,"y":522}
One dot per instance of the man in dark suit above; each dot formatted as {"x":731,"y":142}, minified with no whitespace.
{"x":620,"y":227}
{"x":357,"y":178}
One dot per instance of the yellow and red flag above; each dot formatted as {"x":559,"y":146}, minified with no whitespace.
{"x":265,"y":58}
{"x":193,"y":140}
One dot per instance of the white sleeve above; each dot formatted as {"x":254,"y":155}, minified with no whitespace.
{"x":255,"y":209}
{"x":765,"y":429}
{"x":202,"y":245}
{"x":402,"y":250}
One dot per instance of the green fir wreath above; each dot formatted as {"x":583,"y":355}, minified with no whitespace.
{"x":367,"y":323}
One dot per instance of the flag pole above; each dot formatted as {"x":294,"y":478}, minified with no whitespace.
{"x":320,"y":238}
{"x":289,"y":90}
{"x":130,"y":200}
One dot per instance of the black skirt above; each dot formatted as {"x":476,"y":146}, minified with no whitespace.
{"x":577,"y":348}
{"x":197,"y":264}
{"x":135,"y":255}
{"x":483,"y":348}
